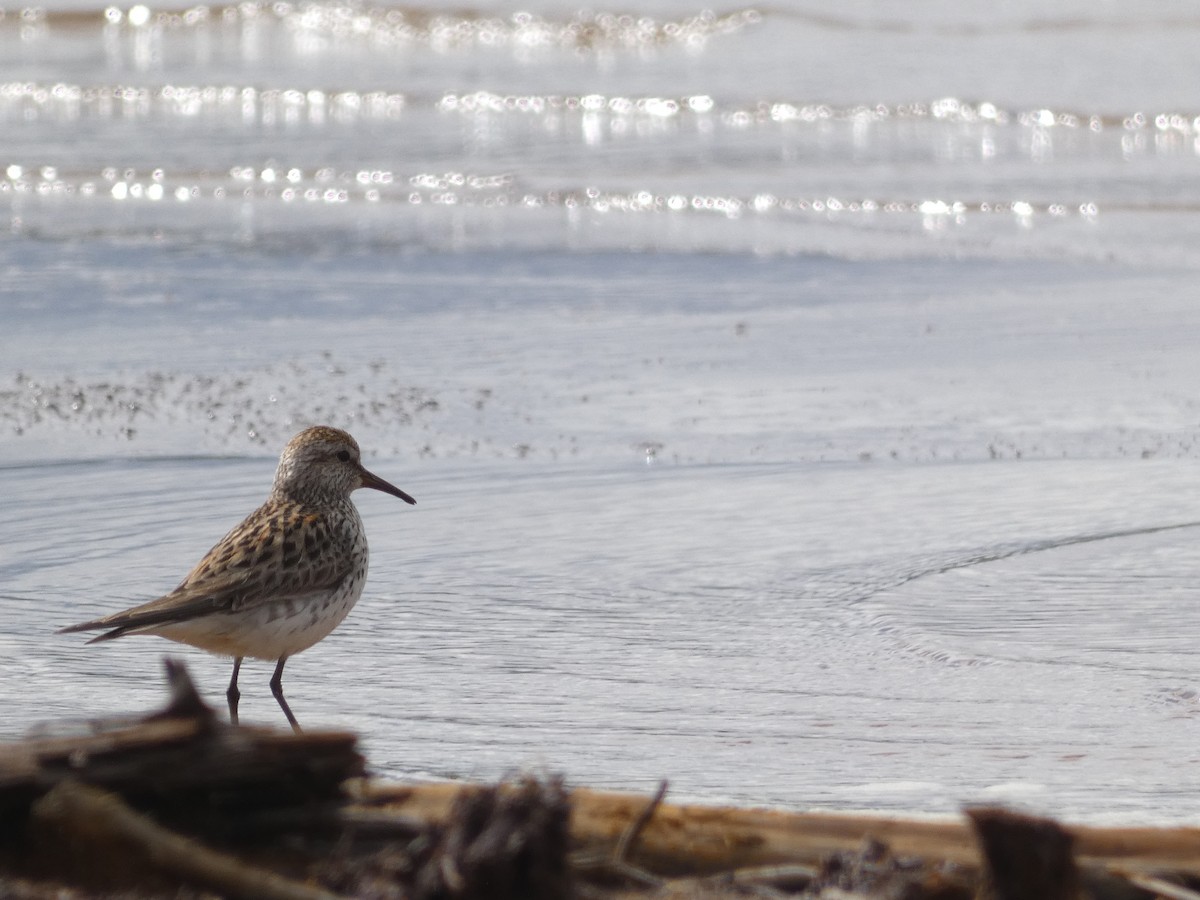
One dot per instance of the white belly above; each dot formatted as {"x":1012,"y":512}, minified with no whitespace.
{"x":271,"y":630}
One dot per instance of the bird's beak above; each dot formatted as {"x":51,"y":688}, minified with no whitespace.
{"x":374,"y":481}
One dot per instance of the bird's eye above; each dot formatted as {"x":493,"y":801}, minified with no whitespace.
{"x":344,"y":455}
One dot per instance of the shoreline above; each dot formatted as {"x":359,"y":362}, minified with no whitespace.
{"x":178,"y":800}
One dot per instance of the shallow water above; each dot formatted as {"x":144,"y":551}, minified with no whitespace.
{"x":800,"y":407}
{"x":800,"y":634}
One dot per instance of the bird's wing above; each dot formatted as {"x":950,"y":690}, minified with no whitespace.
{"x":278,"y":553}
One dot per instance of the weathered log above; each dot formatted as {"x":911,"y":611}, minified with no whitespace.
{"x":95,"y":823}
{"x":185,"y":766}
{"x":694,"y":839}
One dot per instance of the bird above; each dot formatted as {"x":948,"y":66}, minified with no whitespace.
{"x":281,"y":580}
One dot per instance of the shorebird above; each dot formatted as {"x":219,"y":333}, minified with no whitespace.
{"x":281,"y":580}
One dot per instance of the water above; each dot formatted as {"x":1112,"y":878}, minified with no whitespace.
{"x":800,"y":405}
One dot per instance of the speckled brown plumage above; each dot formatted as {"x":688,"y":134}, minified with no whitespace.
{"x":282,"y":579}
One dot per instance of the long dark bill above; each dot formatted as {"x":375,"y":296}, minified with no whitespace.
{"x":377,"y":483}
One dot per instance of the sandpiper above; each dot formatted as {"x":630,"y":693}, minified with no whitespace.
{"x":281,"y":580}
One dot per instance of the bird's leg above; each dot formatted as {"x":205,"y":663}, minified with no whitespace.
{"x":232,"y":694}
{"x":277,"y":690}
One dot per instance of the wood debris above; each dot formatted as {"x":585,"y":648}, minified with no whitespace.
{"x":180,"y":804}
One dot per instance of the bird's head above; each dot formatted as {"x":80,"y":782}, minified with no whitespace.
{"x":322,"y":463}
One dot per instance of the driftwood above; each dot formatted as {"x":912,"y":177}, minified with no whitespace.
{"x":82,"y":815}
{"x":181,"y":763}
{"x":182,"y":801}
{"x":704,"y":839}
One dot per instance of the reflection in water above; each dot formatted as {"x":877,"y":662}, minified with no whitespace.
{"x":259,"y":121}
{"x":478,"y":198}
{"x":314,"y":27}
